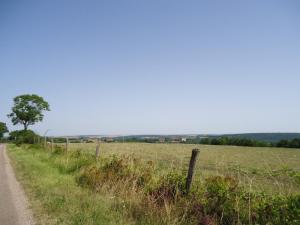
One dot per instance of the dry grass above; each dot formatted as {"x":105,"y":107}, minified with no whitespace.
{"x":73,"y":188}
{"x":54,"y":194}
{"x":267,"y":169}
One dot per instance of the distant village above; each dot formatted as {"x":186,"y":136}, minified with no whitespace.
{"x":133,"y":138}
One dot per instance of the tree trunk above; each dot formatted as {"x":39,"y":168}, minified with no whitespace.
{"x":25,"y":126}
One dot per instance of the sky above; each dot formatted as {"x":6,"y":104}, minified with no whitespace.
{"x":153,"y":67}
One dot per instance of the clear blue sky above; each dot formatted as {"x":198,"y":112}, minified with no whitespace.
{"x":137,"y":67}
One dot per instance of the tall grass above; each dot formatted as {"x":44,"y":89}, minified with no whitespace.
{"x":55,"y":197}
{"x":139,"y":192}
{"x":267,"y":169}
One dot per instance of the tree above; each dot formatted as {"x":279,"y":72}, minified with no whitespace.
{"x":28,"y":110}
{"x":283,"y":143}
{"x":3,"y":129}
{"x":295,"y":143}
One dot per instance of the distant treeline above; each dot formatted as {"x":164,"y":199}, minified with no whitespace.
{"x":294,"y":143}
{"x":229,"y":141}
{"x":233,"y":141}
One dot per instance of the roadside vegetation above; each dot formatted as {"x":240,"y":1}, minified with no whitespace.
{"x":55,"y":197}
{"x":74,"y":188}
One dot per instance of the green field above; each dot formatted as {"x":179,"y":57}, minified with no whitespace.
{"x":144,"y":184}
{"x":266,"y":169}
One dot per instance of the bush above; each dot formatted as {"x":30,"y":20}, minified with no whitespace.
{"x":79,"y":160}
{"x":126,"y":170}
{"x":23,"y":137}
{"x":220,"y":199}
{"x":283,"y":210}
{"x":170,"y":187}
{"x":90,"y":177}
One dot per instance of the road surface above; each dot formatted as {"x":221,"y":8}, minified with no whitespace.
{"x":13,"y":203}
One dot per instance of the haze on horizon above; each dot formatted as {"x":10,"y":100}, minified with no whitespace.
{"x":155,"y":67}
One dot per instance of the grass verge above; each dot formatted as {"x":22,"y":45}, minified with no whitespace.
{"x":54,"y":195}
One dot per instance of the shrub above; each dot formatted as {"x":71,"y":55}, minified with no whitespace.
{"x":23,"y":137}
{"x":127,"y":170}
{"x":276,"y":210}
{"x":90,"y":177}
{"x":79,"y":160}
{"x":170,"y":187}
{"x":220,"y":198}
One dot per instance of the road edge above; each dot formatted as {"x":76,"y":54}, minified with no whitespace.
{"x":25,"y":215}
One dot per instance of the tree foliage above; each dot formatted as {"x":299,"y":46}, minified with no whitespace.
{"x":3,"y":129}
{"x":294,"y":143}
{"x":28,"y":110}
{"x":229,"y":141}
{"x":23,"y":137}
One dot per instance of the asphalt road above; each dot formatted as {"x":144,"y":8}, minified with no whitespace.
{"x":13,"y":203}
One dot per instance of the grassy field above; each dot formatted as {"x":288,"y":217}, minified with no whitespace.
{"x":144,"y":184}
{"x":266,"y":169}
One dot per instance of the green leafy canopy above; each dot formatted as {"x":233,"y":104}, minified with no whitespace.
{"x":28,"y":109}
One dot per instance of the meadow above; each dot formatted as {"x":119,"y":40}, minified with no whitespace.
{"x":139,"y":183}
{"x":264,"y":169}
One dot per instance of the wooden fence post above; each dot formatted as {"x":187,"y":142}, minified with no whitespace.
{"x":192,"y":165}
{"x":98,"y":149}
{"x":52,"y":144}
{"x":67,"y":144}
{"x":45,"y":142}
